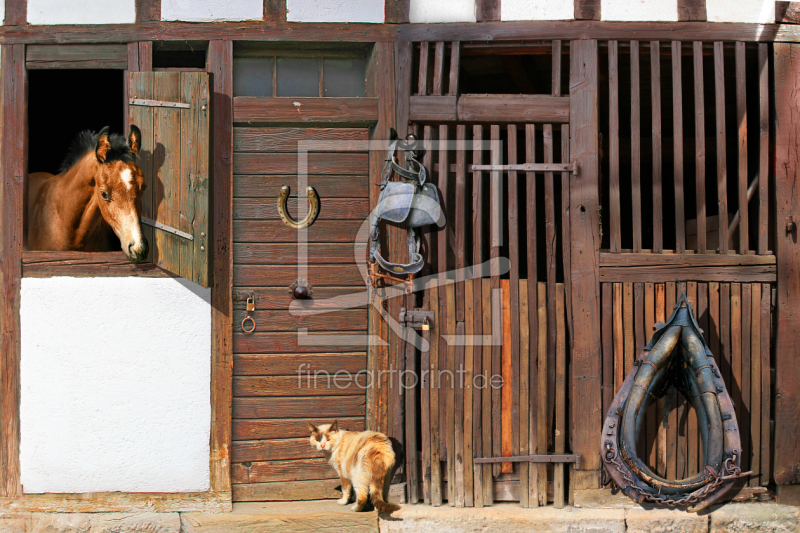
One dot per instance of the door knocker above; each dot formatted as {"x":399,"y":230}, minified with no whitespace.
{"x":313,"y":208}
{"x":248,"y":324}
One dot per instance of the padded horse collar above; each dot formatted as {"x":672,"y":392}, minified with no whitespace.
{"x":410,"y":202}
{"x":676,"y":355}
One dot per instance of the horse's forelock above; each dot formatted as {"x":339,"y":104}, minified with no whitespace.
{"x":86,"y":141}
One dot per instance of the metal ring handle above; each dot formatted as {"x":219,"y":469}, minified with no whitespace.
{"x":313,"y":208}
{"x":244,"y":321}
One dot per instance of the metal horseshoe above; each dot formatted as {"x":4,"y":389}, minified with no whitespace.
{"x":313,"y":208}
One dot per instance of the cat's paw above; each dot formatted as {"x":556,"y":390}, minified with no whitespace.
{"x":356,"y":507}
{"x":343,"y":500}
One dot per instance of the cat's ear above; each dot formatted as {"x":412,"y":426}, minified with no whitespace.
{"x":312,"y":428}
{"x":334,"y":426}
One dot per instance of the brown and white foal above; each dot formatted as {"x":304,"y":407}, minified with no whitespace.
{"x":98,"y":190}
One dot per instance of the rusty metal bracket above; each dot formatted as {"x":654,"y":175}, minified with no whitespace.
{"x":416,"y":319}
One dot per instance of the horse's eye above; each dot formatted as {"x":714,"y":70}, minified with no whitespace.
{"x":105,"y":196}
{"x":144,"y":186}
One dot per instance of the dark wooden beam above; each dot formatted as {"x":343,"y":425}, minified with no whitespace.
{"x":15,"y":158}
{"x":351,"y":111}
{"x":395,"y":11}
{"x":787,"y":335}
{"x":275,"y":10}
{"x":585,"y":29}
{"x":76,"y":56}
{"x":787,"y":12}
{"x":82,"y":265}
{"x":486,"y":11}
{"x":587,"y":9}
{"x":586,"y":384}
{"x":16,"y":12}
{"x":148,"y":10}
{"x":220,"y":65}
{"x":692,"y":10}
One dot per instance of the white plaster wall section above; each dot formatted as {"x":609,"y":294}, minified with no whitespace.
{"x":426,"y":11}
{"x":538,"y":10}
{"x":212,"y":10}
{"x":639,"y":10}
{"x":81,"y":12}
{"x":115,"y":385}
{"x":761,"y":11}
{"x":335,"y":11}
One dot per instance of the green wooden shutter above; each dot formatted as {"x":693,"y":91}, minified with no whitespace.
{"x":173,"y":111}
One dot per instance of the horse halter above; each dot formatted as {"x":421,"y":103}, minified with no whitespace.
{"x":678,"y":356}
{"x":411,"y":202}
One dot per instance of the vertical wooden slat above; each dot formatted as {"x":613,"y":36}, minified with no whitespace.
{"x":736,"y":389}
{"x":741,"y":117}
{"x":506,"y":444}
{"x":661,"y":436}
{"x":677,"y":136}
{"x":627,"y":318}
{"x":458,"y":412}
{"x":409,"y":384}
{"x":460,"y":231}
{"x":436,"y":427}
{"x":141,"y":85}
{"x":755,"y":384}
{"x":488,"y":391}
{"x":452,"y":383}
{"x":703,"y":322}
{"x":722,"y":165}
{"x":478,"y":368}
{"x":438,"y":68}
{"x":615,"y":224}
{"x":725,"y":332}
{"x":541,"y":399}
{"x":636,"y":149}
{"x":672,"y":397}
{"x":658,"y":198}
{"x":692,"y":435}
{"x":514,"y":260}
{"x":713,"y":322}
{"x":524,"y":392}
{"x":220,"y":64}
{"x":496,"y":240}
{"x":167,"y":131}
{"x":422,"y":81}
{"x":441,"y":250}
{"x":619,"y":338}
{"x":566,"y":250}
{"x":469,"y":393}
{"x":608,"y":345}
{"x":744,"y":422}
{"x":533,"y":313}
{"x":700,"y":147}
{"x":651,"y":417}
{"x":556,"y":73}
{"x":133,"y":66}
{"x":550,"y":251}
{"x":682,"y":406}
{"x":561,"y":397}
{"x":425,"y":412}
{"x":455,"y":65}
{"x":763,"y":148}
{"x":766,"y":384}
{"x":638,"y":318}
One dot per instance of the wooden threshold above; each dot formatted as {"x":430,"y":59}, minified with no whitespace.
{"x":117,"y":502}
{"x":86,"y":265}
{"x":666,"y":267}
{"x":283,"y":110}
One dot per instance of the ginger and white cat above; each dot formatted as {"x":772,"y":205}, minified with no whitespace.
{"x":363,"y":460}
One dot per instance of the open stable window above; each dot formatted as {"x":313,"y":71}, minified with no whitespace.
{"x":299,"y":72}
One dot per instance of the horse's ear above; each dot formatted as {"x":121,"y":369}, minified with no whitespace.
{"x":135,"y":139}
{"x":103,"y":145}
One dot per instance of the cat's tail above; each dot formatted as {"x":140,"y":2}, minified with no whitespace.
{"x":382,"y":506}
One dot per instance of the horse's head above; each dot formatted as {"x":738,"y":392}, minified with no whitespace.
{"x":119,"y":187}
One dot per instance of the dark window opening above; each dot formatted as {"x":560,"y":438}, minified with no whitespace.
{"x":180,"y":55}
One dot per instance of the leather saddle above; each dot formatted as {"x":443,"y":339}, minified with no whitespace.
{"x":410,"y":202}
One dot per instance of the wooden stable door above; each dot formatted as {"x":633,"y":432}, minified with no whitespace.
{"x":283,"y":370}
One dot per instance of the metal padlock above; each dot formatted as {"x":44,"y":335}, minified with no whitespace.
{"x":425,"y":325}
{"x":251,"y":303}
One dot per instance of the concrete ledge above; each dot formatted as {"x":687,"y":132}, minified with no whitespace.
{"x":657,"y":520}
{"x":90,"y":523}
{"x":755,"y":518}
{"x":290,"y":517}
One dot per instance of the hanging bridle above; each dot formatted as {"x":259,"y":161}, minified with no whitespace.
{"x":410,"y":202}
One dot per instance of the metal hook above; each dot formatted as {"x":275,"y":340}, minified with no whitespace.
{"x":244,"y":328}
{"x":313,"y":208}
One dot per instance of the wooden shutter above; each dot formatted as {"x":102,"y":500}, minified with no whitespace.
{"x":172,"y":110}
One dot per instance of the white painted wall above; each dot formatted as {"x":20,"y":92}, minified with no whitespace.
{"x":639,"y":10}
{"x":212,"y":10}
{"x":81,"y":11}
{"x":442,"y":11}
{"x":538,"y":10}
{"x":115,"y":385}
{"x":741,"y":11}
{"x":335,"y":11}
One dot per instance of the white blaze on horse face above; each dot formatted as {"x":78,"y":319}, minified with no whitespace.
{"x":127,"y":177}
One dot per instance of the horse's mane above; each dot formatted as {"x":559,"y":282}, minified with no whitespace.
{"x":86,"y":141}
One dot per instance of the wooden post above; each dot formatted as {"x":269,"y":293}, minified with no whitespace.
{"x":586,"y":405}
{"x":787,"y":336}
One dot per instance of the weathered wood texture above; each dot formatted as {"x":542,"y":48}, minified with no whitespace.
{"x":76,"y":56}
{"x":587,"y":9}
{"x":586,"y":385}
{"x":787,"y":332}
{"x":491,"y":108}
{"x":787,"y":12}
{"x":692,"y":10}
{"x":344,"y":111}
